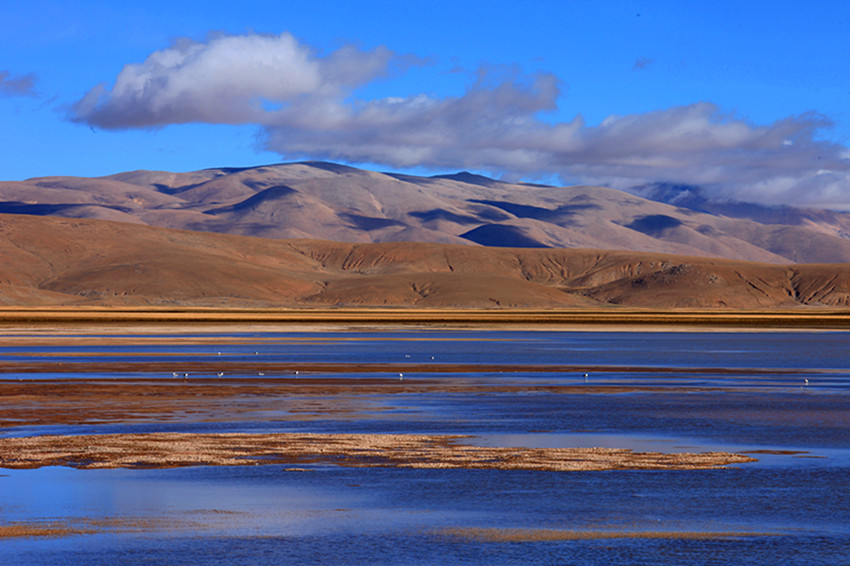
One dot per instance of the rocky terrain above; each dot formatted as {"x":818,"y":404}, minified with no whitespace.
{"x":79,"y":262}
{"x":317,"y":200}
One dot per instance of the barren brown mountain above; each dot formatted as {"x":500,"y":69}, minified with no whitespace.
{"x":64,"y":261}
{"x":333,"y":202}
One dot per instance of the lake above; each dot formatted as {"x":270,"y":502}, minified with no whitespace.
{"x":780,"y":397}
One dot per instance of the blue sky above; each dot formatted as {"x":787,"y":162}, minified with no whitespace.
{"x":747,"y":99}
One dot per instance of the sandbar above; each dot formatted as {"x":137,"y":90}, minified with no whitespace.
{"x":168,"y":450}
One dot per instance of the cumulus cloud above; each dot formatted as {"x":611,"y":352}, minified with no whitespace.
{"x":783,"y":162}
{"x":228,"y":80}
{"x":306,"y":106}
{"x":16,"y":86}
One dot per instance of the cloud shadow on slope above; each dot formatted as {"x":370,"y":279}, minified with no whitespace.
{"x":501,"y":236}
{"x":537,"y":212}
{"x":369,"y":223}
{"x":441,"y":214}
{"x":654,"y":225}
{"x":17,"y":207}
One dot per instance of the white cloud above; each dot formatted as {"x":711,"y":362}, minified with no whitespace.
{"x":228,"y":80}
{"x":306,"y":107}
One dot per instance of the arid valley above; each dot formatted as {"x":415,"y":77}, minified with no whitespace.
{"x":161,"y":359}
{"x":424,"y":283}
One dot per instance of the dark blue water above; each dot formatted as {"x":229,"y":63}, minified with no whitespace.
{"x":785,"y":509}
{"x":402,"y":516}
{"x":787,"y":350}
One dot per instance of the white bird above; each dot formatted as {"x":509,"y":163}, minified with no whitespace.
{"x":400,"y":376}
{"x":221,"y":374}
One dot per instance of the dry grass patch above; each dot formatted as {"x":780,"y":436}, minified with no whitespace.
{"x":166,"y":450}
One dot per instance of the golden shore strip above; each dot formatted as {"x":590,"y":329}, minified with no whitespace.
{"x":109,"y":318}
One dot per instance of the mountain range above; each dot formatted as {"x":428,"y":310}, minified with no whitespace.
{"x":323,"y":234}
{"x":47,"y":261}
{"x":327,"y":201}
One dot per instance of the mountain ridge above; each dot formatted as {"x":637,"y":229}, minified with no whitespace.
{"x":342,"y":203}
{"x":81,"y":262}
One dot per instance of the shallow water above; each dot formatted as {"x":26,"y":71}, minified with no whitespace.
{"x":708,"y":391}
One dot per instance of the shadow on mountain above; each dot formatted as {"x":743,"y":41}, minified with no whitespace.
{"x":462,"y":177}
{"x":169,"y":190}
{"x":654,"y":225}
{"x":501,"y":236}
{"x":17,"y":207}
{"x":536,"y":212}
{"x":278,"y":192}
{"x":469,"y":178}
{"x":408,"y":178}
{"x":487,"y":212}
{"x":332,"y":167}
{"x":232,"y":170}
{"x":440,"y":214}
{"x":369,"y":222}
{"x":272,"y":194}
{"x":693,"y":198}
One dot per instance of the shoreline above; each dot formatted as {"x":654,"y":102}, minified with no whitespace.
{"x":161,"y":396}
{"x":16,"y":320}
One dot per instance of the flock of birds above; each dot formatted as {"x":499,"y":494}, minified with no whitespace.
{"x":185,"y":375}
{"x":400,"y":374}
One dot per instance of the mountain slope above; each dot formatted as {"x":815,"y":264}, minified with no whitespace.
{"x":335,"y":202}
{"x":59,"y":261}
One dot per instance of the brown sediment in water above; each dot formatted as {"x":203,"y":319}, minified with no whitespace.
{"x":53,"y":529}
{"x":544,"y":535}
{"x":167,"y":450}
{"x":58,"y":528}
{"x":65,"y":527}
{"x":81,"y":401}
{"x":39,"y":402}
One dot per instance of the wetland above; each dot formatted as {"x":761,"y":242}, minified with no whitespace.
{"x":265,"y":442}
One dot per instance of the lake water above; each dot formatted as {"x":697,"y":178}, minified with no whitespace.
{"x":647,"y":391}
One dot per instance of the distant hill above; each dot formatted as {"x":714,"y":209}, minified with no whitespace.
{"x":317,"y":200}
{"x":62,"y":261}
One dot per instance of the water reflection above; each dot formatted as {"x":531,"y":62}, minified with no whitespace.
{"x":684,"y":392}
